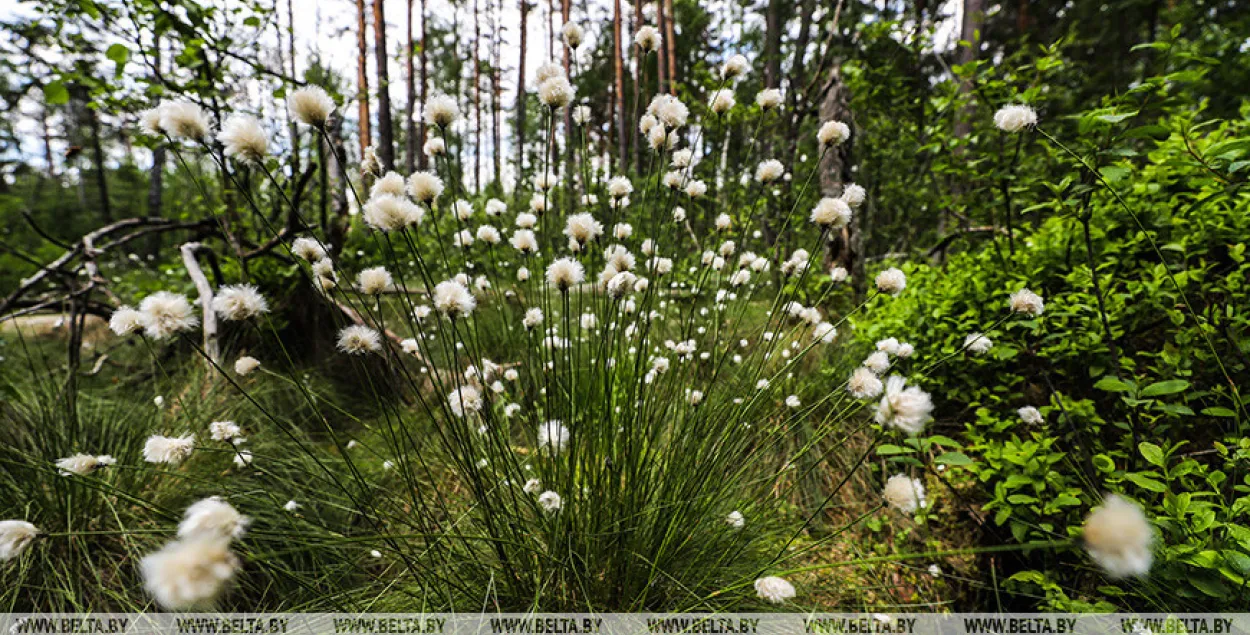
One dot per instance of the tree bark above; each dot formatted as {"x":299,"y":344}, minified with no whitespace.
{"x":661,"y":54}
{"x":97,"y":150}
{"x":638,"y":74}
{"x":520,"y":93}
{"x":772,"y":44}
{"x":386,"y":135}
{"x":292,"y":127}
{"x":477,"y":98}
{"x":362,"y":75}
{"x":970,"y":31}
{"x":205,"y":291}
{"x":422,"y":160}
{"x":410,"y":136}
{"x":496,"y":92}
{"x":619,"y":63}
{"x":671,"y":44}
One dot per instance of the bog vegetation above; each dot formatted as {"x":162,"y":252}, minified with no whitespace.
{"x":761,"y":306}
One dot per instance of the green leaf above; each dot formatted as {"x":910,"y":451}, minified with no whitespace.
{"x":1217,"y":411}
{"x":1169,"y":387}
{"x":1151,"y":452}
{"x":118,"y":53}
{"x":55,"y":93}
{"x":1111,"y":384}
{"x":954,"y":458}
{"x":887,"y":449}
{"x":1145,"y":482}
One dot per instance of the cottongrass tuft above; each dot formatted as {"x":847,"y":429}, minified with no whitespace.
{"x":1015,"y":118}
{"x":904,"y":493}
{"x":453,"y":299}
{"x":833,"y":213}
{"x":1026,"y":302}
{"x":832,"y":133}
{"x":310,"y":105}
{"x":212,"y":518}
{"x":15,"y":537}
{"x":374,"y":280}
{"x":244,"y":138}
{"x":83,"y":464}
{"x":184,"y":120}
{"x":244,"y":366}
{"x":188,"y":574}
{"x":166,"y":314}
{"x":1031,"y":415}
{"x":125,"y":320}
{"x":904,"y":407}
{"x":647,"y":38}
{"x":308,"y":249}
{"x":168,"y":450}
{"x":978,"y":343}
{"x":426,"y":187}
{"x":1118,"y":537}
{"x":239,"y":302}
{"x":891,"y":281}
{"x":565,"y":273}
{"x":774,"y":589}
{"x":464,"y":401}
{"x":441,"y":111}
{"x":359,"y":340}
{"x":553,"y":435}
{"x":736,"y":520}
{"x":864,"y":384}
{"x":550,"y":501}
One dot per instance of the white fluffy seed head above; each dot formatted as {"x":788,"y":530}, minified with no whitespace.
{"x":977,"y":343}
{"x":239,"y":302}
{"x":768,"y":99}
{"x":853,"y":194}
{"x":647,"y":38}
{"x":904,"y":493}
{"x":391,"y":213}
{"x":165,"y":314}
{"x":168,"y":450}
{"x":441,"y":111}
{"x":735,"y":66}
{"x":15,"y":537}
{"x":310,"y":105}
{"x":774,"y":589}
{"x":213,"y":518}
{"x":620,"y":186}
{"x":184,"y":120}
{"x":832,"y":133}
{"x":832,"y":213}
{"x":769,"y":171}
{"x":308,"y":249}
{"x":572,"y":34}
{"x":565,"y":273}
{"x":524,"y":241}
{"x":374,"y":280}
{"x":83,"y":464}
{"x":244,"y":366}
{"x":125,"y":320}
{"x":550,"y":501}
{"x":723,"y":101}
{"x":556,"y":92}
{"x":904,"y":407}
{"x":453,"y":299}
{"x":864,"y":384}
{"x":244,"y":138}
{"x":189,"y":574}
{"x":359,"y":340}
{"x":391,"y":184}
{"x":1118,"y":537}
{"x":891,"y":281}
{"x":425,"y":186}
{"x":464,"y":401}
{"x":1015,"y":118}
{"x":583,"y":227}
{"x":1027,"y":302}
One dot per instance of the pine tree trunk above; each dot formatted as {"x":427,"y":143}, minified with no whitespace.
{"x":671,"y":44}
{"x":661,"y":54}
{"x":772,"y":44}
{"x":386,"y":135}
{"x":570,"y":142}
{"x":292,"y":127}
{"x":422,"y":160}
{"x":496,"y":92}
{"x":477,"y":98}
{"x":619,"y":63}
{"x":410,"y":136}
{"x":520,"y":93}
{"x":362,"y":75}
{"x":638,"y":74}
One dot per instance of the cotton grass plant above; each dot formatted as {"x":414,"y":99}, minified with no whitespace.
{"x":589,"y":398}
